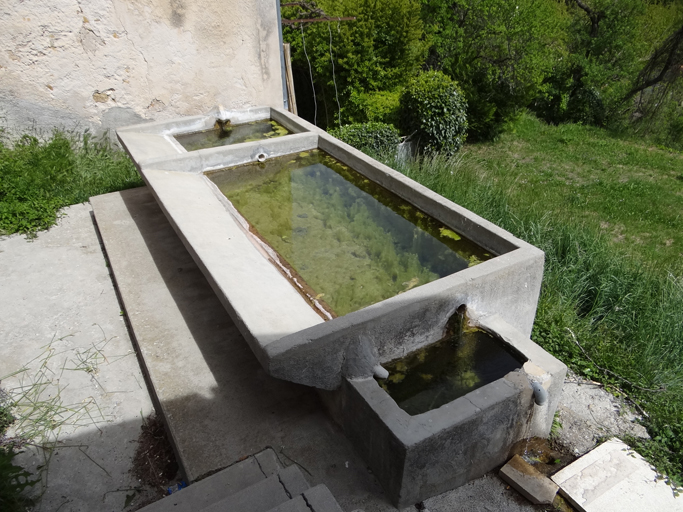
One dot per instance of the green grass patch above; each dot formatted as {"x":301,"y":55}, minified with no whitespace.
{"x":630,"y":191}
{"x":601,"y":311}
{"x":37,"y":178}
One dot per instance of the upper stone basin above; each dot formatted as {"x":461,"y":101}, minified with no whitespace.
{"x":291,"y":336}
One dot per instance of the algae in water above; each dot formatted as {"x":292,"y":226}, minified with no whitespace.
{"x":352,"y":241}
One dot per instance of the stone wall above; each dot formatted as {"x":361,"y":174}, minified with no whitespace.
{"x":106,"y":63}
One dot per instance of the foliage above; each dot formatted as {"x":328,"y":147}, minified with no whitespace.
{"x":378,"y":106}
{"x":37,"y":178}
{"x":376,"y":52}
{"x":6,"y":418}
{"x":607,"y":43}
{"x":434,"y":112}
{"x":373,"y":138}
{"x":498,"y":51}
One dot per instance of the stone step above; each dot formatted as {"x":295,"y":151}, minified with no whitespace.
{"x":296,"y":504}
{"x":315,"y":499}
{"x":217,"y":487}
{"x":320,"y":499}
{"x":264,"y":495}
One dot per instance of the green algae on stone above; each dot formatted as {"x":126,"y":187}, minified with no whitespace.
{"x":352,"y":241}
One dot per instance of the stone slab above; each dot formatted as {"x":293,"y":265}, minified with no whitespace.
{"x":260,"y":497}
{"x":296,"y":504}
{"x":219,"y":403}
{"x":530,"y":483}
{"x":320,"y":499}
{"x":56,"y":293}
{"x":212,"y":489}
{"x":293,"y":480}
{"x":612,"y":477}
{"x":268,"y":462}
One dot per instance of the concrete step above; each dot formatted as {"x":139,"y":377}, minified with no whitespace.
{"x":320,"y":499}
{"x":264,"y":495}
{"x":296,"y":504}
{"x":217,"y":487}
{"x":315,"y":499}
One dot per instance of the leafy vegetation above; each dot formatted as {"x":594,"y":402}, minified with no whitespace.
{"x":602,"y":62}
{"x":353,"y":60}
{"x":498,"y":51}
{"x":433,"y":111}
{"x":373,"y":138}
{"x":37,"y":178}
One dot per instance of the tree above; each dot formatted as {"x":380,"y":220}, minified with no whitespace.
{"x":498,"y":51}
{"x":665,"y":65}
{"x":378,"y":52}
{"x":606,"y":42}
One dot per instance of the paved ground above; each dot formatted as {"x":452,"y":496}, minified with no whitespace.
{"x":57,"y":304}
{"x":58,"y":285}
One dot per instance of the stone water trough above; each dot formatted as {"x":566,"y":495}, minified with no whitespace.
{"x":343,"y":274}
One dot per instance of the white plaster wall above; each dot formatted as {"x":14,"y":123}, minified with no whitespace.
{"x":99,"y":64}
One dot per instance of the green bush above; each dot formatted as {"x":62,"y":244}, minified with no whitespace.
{"x":433,"y":111}
{"x":377,"y":106}
{"x":374,"y":138}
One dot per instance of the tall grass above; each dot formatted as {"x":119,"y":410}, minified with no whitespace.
{"x":37,"y":178}
{"x":601,"y":312}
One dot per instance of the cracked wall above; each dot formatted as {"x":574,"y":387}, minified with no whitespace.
{"x":106,"y":63}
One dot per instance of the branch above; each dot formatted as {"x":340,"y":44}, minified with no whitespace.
{"x":595,"y":17}
{"x":671,"y":53}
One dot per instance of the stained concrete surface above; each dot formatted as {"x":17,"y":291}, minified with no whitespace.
{"x":219,"y":403}
{"x":588,"y":413}
{"x":101,"y":63}
{"x":486,"y":494}
{"x":58,"y":304}
{"x":613,"y":478}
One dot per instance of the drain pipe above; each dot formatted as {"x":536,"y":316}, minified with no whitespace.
{"x":538,"y":425}
{"x":380,"y":372}
{"x":540,"y":393}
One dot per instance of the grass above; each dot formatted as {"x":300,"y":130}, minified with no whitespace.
{"x":611,"y":310}
{"x":631,"y":191}
{"x":38,"y":177}
{"x":33,"y":414}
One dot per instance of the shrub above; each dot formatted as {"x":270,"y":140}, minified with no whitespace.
{"x":378,"y":106}
{"x":433,"y":110}
{"x":374,"y":138}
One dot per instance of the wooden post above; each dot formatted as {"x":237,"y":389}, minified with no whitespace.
{"x":288,"y":78}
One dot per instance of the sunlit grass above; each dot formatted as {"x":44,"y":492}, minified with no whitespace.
{"x":38,"y":177}
{"x":631,"y":191}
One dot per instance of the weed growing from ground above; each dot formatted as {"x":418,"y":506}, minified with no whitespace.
{"x":34,"y":415}
{"x":37,"y":178}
